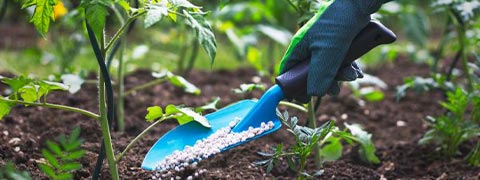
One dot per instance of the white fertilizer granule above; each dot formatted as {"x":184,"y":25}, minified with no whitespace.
{"x":204,"y":148}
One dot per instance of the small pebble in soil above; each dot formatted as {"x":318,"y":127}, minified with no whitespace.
{"x":207,"y":147}
{"x":401,"y":123}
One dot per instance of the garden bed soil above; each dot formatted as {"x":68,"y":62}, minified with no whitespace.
{"x":396,"y":129}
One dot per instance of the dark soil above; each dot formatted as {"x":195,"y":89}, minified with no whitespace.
{"x":396,"y":129}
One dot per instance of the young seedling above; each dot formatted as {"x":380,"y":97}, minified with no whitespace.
{"x":62,"y":156}
{"x":327,"y":137}
{"x":9,"y":172}
{"x":449,"y":131}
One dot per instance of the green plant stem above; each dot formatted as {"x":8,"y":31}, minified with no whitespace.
{"x":463,"y":42}
{"x":120,"y":31}
{"x":120,"y":75}
{"x":293,"y":105}
{"x":192,"y":58}
{"x":312,"y":123}
{"x":139,"y":136}
{"x":143,"y":86}
{"x":107,"y":138}
{"x":473,"y":157}
{"x":121,"y":89}
{"x":55,"y":106}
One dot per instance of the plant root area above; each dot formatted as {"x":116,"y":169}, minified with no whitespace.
{"x":396,"y":128}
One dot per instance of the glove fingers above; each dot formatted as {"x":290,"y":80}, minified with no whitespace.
{"x":334,"y":89}
{"x":349,"y":73}
{"x":358,"y":70}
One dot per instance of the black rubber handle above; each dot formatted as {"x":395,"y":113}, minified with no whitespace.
{"x":294,"y":81}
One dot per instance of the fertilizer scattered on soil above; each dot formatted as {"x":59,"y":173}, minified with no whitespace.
{"x":204,"y":148}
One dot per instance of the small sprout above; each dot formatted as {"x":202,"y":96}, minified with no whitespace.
{"x":248,"y":88}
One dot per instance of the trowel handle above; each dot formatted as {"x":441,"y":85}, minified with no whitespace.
{"x":294,"y":81}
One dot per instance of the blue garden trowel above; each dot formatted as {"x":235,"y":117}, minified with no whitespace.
{"x":253,"y":113}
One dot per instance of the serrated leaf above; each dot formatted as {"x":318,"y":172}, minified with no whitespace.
{"x":4,"y":108}
{"x":204,"y":33}
{"x":367,"y":148}
{"x":43,"y":14}
{"x":154,"y":113}
{"x":96,"y":14}
{"x":47,"y":170}
{"x":331,"y":151}
{"x":155,"y":12}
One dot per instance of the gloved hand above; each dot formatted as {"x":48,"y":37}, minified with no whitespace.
{"x":324,"y":41}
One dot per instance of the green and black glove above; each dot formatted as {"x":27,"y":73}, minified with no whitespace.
{"x":324,"y":41}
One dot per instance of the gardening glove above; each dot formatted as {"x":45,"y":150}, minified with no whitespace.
{"x":324,"y":41}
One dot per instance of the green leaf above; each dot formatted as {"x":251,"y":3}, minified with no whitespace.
{"x":74,"y":136}
{"x":183,"y":3}
{"x":29,"y":93}
{"x":210,"y":106}
{"x":125,"y":5}
{"x":4,"y":108}
{"x":42,"y":15}
{"x":196,"y":117}
{"x":155,"y":12}
{"x":96,"y":14}
{"x":247,"y":88}
{"x":48,"y":86}
{"x":16,"y":83}
{"x":187,"y":115}
{"x":74,"y":155}
{"x":10,"y":173}
{"x":50,"y":158}
{"x":64,"y":176}
{"x":54,"y":147}
{"x":371,"y":94}
{"x":188,"y":87}
{"x":47,"y":170}
{"x":367,"y":148}
{"x":331,"y":151}
{"x":70,"y":166}
{"x":203,"y":32}
{"x":154,"y":113}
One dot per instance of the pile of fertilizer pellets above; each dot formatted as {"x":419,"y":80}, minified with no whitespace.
{"x":204,"y":148}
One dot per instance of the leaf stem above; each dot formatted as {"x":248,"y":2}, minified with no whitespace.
{"x":121,"y":30}
{"x":55,"y":106}
{"x":143,"y":86}
{"x":312,"y":123}
{"x":293,"y":105}
{"x":139,"y":136}
{"x":107,"y":138}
